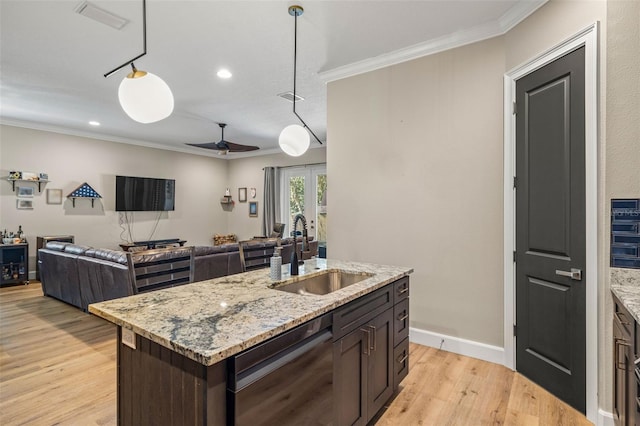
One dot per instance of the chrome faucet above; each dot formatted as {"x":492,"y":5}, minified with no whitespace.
{"x":305,"y":243}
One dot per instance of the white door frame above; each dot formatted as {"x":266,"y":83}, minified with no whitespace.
{"x":309,"y":171}
{"x":588,"y":38}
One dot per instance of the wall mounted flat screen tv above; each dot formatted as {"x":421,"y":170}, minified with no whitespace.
{"x":136,"y":194}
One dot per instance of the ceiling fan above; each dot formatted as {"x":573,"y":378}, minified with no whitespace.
{"x":223,"y":147}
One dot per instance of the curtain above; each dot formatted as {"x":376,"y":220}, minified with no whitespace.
{"x":271,"y":202}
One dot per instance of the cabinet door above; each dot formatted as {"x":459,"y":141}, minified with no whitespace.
{"x":380,"y":360}
{"x":350,"y":378}
{"x":621,"y":367}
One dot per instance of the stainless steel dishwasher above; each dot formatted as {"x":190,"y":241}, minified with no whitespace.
{"x":287,"y":380}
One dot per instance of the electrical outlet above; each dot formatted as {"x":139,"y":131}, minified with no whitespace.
{"x":129,"y":338}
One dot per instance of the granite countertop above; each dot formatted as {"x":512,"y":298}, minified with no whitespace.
{"x":209,"y":321}
{"x":625,"y":284}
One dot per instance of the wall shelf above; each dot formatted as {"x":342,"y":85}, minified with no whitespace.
{"x":227,"y":199}
{"x":13,"y":179}
{"x":84,"y":191}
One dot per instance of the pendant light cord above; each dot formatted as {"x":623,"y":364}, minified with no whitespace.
{"x":295,"y":61}
{"x":144,"y":41}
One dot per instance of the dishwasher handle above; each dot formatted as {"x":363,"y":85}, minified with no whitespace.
{"x":280,"y":359}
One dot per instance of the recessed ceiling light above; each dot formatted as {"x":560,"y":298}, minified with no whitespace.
{"x":224,"y":73}
{"x":94,"y":123}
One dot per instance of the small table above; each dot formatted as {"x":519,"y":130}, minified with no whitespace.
{"x":152,"y":244}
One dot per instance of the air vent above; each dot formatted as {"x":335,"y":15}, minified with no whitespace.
{"x":289,"y":96}
{"x":96,"y":13}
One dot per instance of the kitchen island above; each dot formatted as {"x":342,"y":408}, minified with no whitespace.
{"x":178,"y":348}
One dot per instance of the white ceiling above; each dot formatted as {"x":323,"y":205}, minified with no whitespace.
{"x":53,"y":60}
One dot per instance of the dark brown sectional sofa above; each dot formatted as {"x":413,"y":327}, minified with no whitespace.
{"x":81,"y":275}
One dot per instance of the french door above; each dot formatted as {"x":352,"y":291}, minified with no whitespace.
{"x":303,"y":191}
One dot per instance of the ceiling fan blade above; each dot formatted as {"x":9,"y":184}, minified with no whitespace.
{"x":236,"y":147}
{"x":223,"y":147}
{"x":208,"y":145}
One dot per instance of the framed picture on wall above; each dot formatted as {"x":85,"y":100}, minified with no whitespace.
{"x":24,"y":204}
{"x":54,"y":196}
{"x":242,"y":195}
{"x":253,"y":209}
{"x":24,"y":192}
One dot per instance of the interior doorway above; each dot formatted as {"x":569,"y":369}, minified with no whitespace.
{"x":587,"y":38}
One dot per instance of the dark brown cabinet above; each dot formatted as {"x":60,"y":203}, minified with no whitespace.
{"x":363,"y":375}
{"x":367,"y":339}
{"x":626,"y":375}
{"x":14,"y":264}
{"x":371,"y":352}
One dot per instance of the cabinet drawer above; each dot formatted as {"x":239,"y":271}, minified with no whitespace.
{"x":401,"y":289}
{"x":400,"y":362}
{"x":400,"y":321}
{"x":349,"y":317}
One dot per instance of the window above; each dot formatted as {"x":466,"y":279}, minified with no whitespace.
{"x":304,"y":191}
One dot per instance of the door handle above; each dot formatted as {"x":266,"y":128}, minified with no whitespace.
{"x":367,"y":348}
{"x":574,"y":274}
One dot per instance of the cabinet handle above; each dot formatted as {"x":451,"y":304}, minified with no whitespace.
{"x":403,"y":316}
{"x":403,"y":290}
{"x":620,"y":365}
{"x":367,"y":348}
{"x":373,"y":329}
{"x":402,"y":358}
{"x":620,"y":316}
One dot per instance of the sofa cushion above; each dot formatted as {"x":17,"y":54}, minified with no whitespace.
{"x":115,"y":256}
{"x":75,"y":249}
{"x":206,"y":250}
{"x":56,"y":245}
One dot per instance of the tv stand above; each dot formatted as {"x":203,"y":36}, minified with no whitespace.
{"x":153,"y":244}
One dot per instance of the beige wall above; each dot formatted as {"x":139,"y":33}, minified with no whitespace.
{"x":248,"y":173}
{"x":71,"y":161}
{"x":621,"y":151}
{"x":415,"y":178}
{"x":623,"y":99}
{"x":553,"y":23}
{"x":416,"y":151}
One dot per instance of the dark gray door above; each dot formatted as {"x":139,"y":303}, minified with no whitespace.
{"x":550,"y":228}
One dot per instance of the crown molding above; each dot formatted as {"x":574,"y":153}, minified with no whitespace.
{"x":518,"y":13}
{"x":110,"y":138}
{"x":98,"y":136}
{"x":511,"y":18}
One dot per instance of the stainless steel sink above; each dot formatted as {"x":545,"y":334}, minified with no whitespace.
{"x":324,"y":283}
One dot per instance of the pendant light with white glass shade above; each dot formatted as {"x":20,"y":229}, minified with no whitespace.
{"x":144,"y":96}
{"x":294,"y":139}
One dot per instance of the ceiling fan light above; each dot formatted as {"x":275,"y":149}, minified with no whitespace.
{"x":294,"y":140}
{"x":145,"y":98}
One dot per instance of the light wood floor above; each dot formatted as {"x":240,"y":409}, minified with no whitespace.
{"x":58,"y":366}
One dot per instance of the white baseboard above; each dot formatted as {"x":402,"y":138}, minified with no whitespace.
{"x":458,"y":345}
{"x":605,"y":418}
